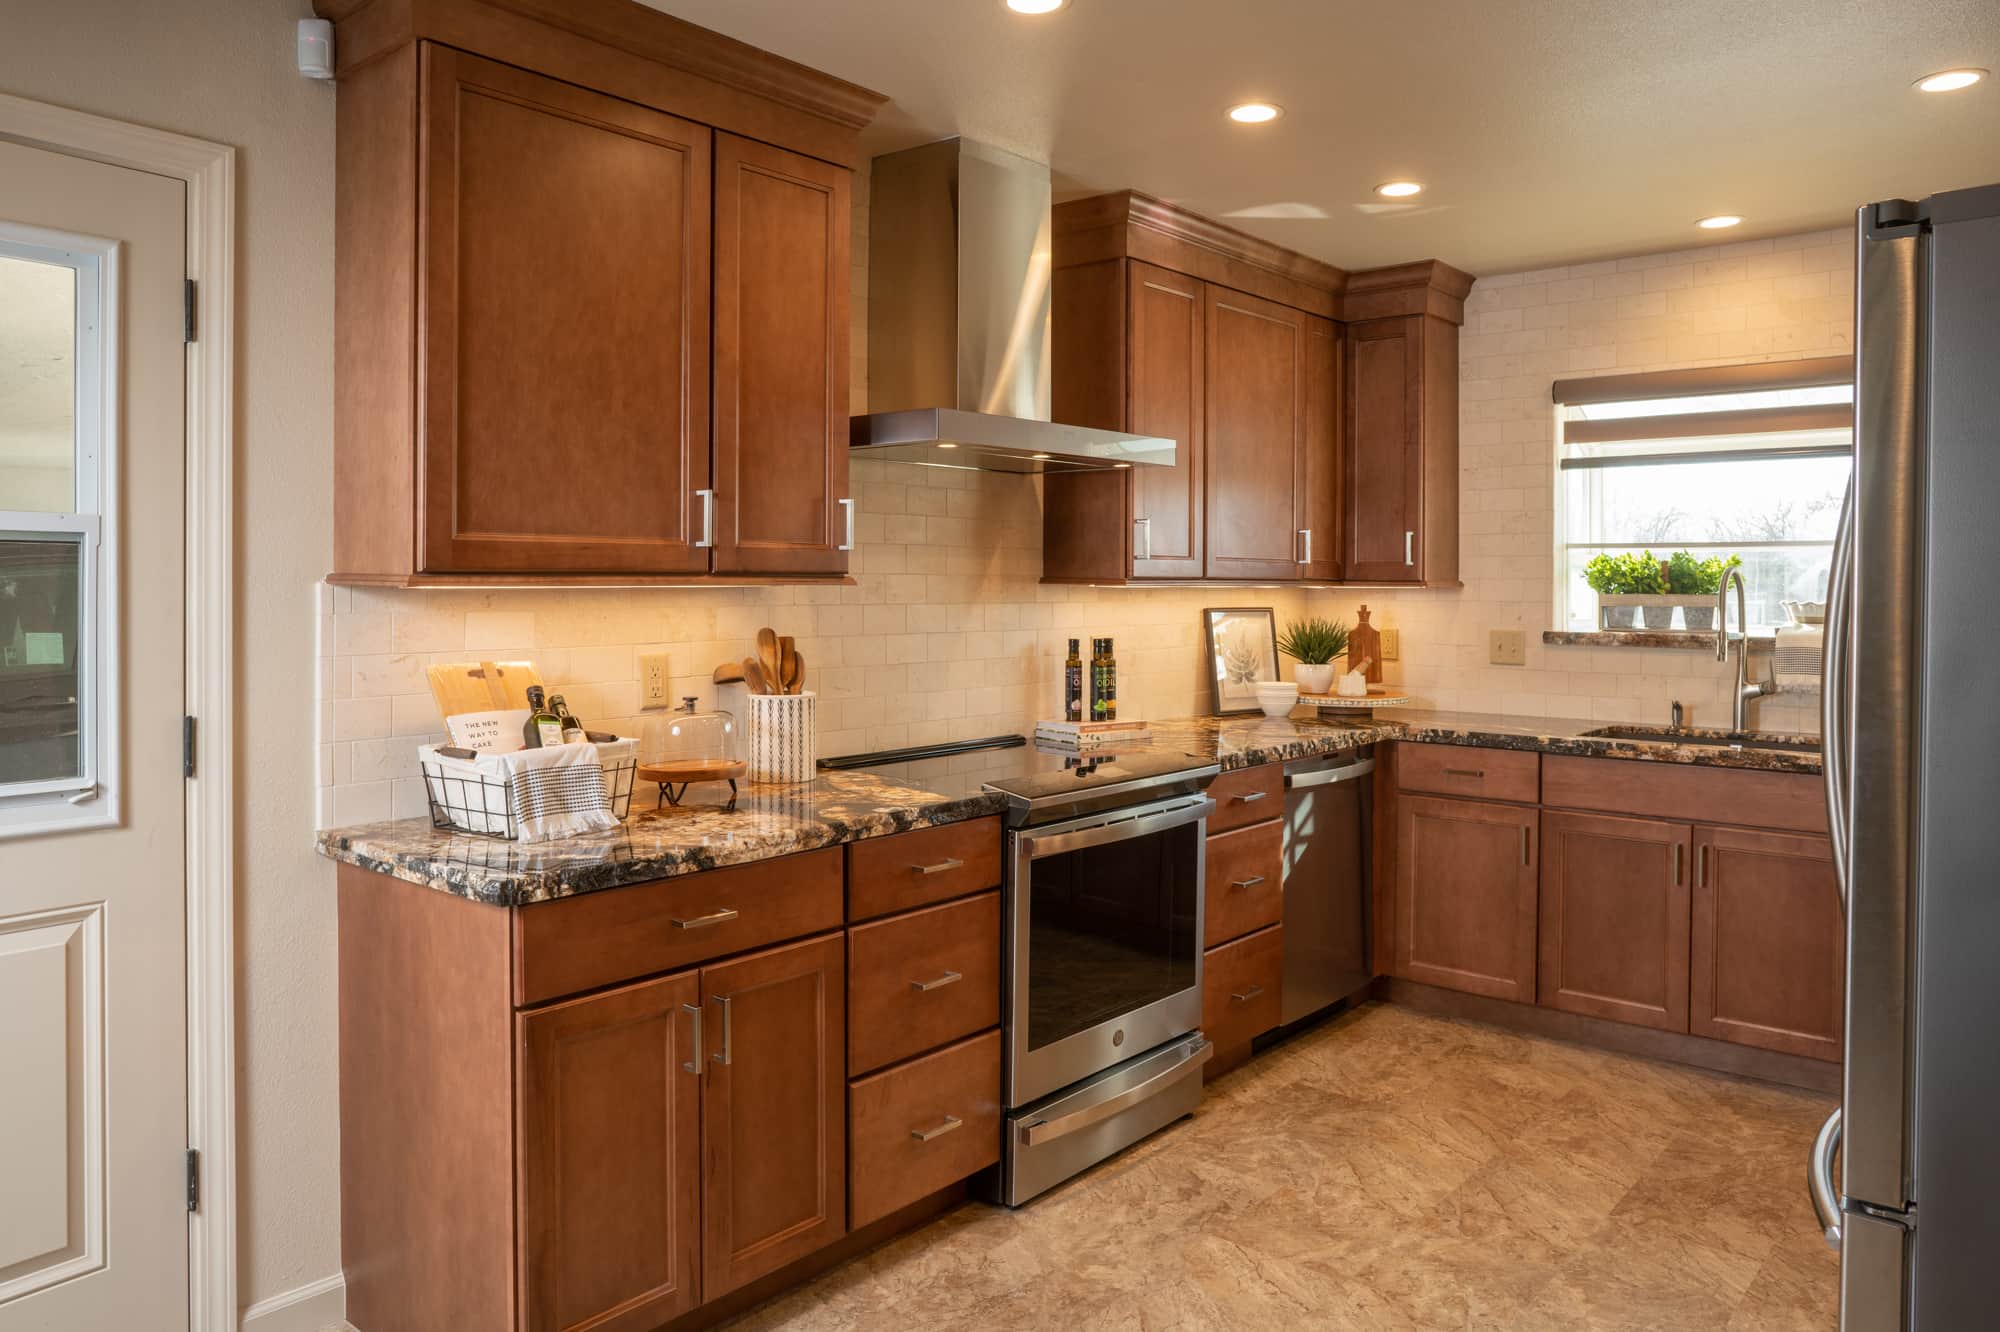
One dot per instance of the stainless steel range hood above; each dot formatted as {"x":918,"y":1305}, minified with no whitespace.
{"x":958,"y":320}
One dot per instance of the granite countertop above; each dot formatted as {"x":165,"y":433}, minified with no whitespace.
{"x":779,"y":820}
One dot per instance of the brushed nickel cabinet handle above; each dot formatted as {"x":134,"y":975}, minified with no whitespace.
{"x":1525,"y":835}
{"x":707,"y":517}
{"x":1250,"y":882}
{"x":1306,"y":533}
{"x":703,"y":922}
{"x":1248,"y":994}
{"x":1145,"y":525}
{"x":1474,"y":773}
{"x":937,"y":984}
{"x":728,"y":1050}
{"x":1677,"y":864}
{"x":1251,"y":798}
{"x":950,"y":1122}
{"x":848,"y":544}
{"x":942,"y":867}
{"x":1701,"y":867}
{"x":1410,"y":548}
{"x":694,"y":1039}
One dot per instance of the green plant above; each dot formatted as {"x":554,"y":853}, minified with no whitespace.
{"x":1605,"y":574}
{"x":1643,"y":574}
{"x":1688,"y":576}
{"x":1313,"y":642}
{"x":1615,"y":575}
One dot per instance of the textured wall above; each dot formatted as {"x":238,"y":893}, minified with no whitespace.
{"x":1763,"y":300}
{"x":222,"y":70}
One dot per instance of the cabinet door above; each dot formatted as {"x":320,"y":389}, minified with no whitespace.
{"x":781,"y":287}
{"x":1384,"y":502}
{"x":1465,"y":896}
{"x":1768,"y":958}
{"x":608,"y":1153}
{"x":774,"y":1118}
{"x":563,"y":327}
{"x":1165,"y":330}
{"x":1316,"y":507}
{"x":1256,"y":403}
{"x":1614,"y":937}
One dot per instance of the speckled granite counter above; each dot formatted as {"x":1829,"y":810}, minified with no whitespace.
{"x":772,"y":821}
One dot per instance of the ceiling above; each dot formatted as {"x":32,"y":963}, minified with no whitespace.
{"x":1547,"y":131}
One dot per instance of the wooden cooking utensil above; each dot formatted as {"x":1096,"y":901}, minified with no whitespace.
{"x":797,"y":679}
{"x":753,"y":675}
{"x":767,"y":657}
{"x":729,"y":672}
{"x":788,"y":668}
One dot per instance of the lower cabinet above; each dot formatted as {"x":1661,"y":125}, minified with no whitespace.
{"x":923,"y":1125}
{"x":1769,"y":942}
{"x":1466,"y":896}
{"x":1241,"y":988}
{"x":1614,"y":918}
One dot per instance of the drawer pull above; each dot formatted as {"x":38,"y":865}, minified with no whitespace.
{"x":1252,"y":798}
{"x":942,"y":867}
{"x":721,"y":917}
{"x":950,"y":1122}
{"x":1474,"y":773}
{"x":938,"y":984}
{"x":1250,"y":882}
{"x":1248,"y":994}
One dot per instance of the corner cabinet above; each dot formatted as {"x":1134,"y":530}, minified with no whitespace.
{"x":591,"y":321}
{"x":1166,"y":323}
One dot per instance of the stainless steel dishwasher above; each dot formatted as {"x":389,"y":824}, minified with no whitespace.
{"x":1329,"y":804}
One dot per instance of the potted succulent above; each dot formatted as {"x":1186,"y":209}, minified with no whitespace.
{"x":1627,"y":585}
{"x":1314,"y":644}
{"x":1694,"y":584}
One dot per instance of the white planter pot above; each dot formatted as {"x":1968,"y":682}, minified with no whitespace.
{"x":1314,"y":679}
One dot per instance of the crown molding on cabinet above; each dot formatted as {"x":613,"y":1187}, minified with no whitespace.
{"x":1429,"y":286}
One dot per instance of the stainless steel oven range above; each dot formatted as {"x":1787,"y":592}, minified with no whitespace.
{"x":1102,"y":965}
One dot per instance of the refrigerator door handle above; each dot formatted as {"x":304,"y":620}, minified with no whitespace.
{"x":1834,"y":711}
{"x":1819,"y":1179}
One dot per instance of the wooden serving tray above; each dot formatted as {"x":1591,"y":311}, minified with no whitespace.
{"x":685,"y":772}
{"x":1376,"y":698}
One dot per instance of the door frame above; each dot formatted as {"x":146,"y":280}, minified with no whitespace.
{"x":208,"y":170}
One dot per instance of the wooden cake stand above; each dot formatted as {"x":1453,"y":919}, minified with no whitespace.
{"x":689,"y":771}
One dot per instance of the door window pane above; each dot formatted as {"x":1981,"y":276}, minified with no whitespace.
{"x":40,"y":617}
{"x":37,"y":386}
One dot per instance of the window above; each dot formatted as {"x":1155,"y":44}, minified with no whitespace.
{"x":1748,"y":460}
{"x":52,"y":414}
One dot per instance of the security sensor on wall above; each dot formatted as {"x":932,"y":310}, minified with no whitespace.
{"x":316,"y":48}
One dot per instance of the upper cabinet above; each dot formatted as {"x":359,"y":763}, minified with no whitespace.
{"x":591,"y":299}
{"x":1401,"y":501}
{"x":1243,"y":353}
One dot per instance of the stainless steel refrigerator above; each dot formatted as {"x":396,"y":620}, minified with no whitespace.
{"x":1912,"y":722}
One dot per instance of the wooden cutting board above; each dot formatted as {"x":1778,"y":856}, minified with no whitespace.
{"x":482,"y":686}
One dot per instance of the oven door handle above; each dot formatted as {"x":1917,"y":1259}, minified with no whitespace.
{"x":1037,"y":846}
{"x":1044,"y":1130}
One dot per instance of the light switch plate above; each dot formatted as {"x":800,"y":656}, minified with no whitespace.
{"x":1507,"y":647}
{"x":1392,"y":645}
{"x":655,"y":680}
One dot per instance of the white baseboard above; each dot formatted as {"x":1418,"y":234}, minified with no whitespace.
{"x":317,"y":1306}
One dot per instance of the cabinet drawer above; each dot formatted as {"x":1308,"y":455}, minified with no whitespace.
{"x":922,"y":979}
{"x":579,"y":943}
{"x":1244,"y":886}
{"x":1793,"y":801}
{"x":1246,"y":796}
{"x":915,"y":869}
{"x":1240,"y":986}
{"x":922,"y":1125}
{"x":1462,"y":770}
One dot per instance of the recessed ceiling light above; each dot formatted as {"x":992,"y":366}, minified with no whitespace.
{"x":1718,"y":222}
{"x":1398,"y":189}
{"x":1950,"y":80}
{"x":1255,"y":113}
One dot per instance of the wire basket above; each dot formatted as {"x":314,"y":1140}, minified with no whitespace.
{"x":465,"y":799}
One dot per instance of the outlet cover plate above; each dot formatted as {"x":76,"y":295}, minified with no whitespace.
{"x":1507,"y":647}
{"x":655,"y":681}
{"x":1392,"y":644}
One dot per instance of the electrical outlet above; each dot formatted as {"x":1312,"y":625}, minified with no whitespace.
{"x":1507,"y":647}
{"x":655,"y":680}
{"x":1392,"y":644}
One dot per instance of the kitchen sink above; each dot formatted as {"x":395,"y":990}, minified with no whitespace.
{"x":1667,"y":735}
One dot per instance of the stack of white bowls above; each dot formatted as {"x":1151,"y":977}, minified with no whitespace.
{"x":1277,"y":697}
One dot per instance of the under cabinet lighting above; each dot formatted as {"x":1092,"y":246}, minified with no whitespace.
{"x":1255,"y":113}
{"x":1950,"y":80}
{"x":1399,"y":189}
{"x":1718,"y":222}
{"x":1036,"y":6}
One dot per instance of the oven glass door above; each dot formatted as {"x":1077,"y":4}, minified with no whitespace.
{"x":1107,"y":936}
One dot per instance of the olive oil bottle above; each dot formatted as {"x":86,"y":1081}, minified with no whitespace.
{"x":1073,"y":684}
{"x":543,"y":727}
{"x":1103,"y":681}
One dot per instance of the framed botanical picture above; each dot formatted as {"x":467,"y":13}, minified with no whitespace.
{"x":1242,"y":652}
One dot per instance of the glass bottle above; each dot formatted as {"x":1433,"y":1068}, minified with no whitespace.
{"x":572,"y":729}
{"x":542,"y":727}
{"x":1073,"y":684}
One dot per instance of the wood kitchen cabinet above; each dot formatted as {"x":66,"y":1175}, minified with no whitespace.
{"x":590,"y":301}
{"x":1317,"y":504}
{"x":1614,"y":918}
{"x":1256,"y":432}
{"x":774,"y":1110}
{"x":1466,"y":896}
{"x":1768,"y":955}
{"x":609,"y":1143}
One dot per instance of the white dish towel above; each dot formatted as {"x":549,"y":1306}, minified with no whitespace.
{"x":558,"y":791}
{"x":1795,"y":660}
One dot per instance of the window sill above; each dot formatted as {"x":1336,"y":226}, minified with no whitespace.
{"x":1683,"y":640}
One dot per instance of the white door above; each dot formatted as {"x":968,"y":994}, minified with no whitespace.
{"x":93,"y":986}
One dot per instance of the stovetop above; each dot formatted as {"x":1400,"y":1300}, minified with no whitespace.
{"x":1048,"y":784}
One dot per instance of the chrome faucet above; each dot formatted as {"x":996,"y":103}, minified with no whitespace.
{"x":1745,"y":691}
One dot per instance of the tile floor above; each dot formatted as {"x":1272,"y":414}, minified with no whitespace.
{"x":1389,"y":1170}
